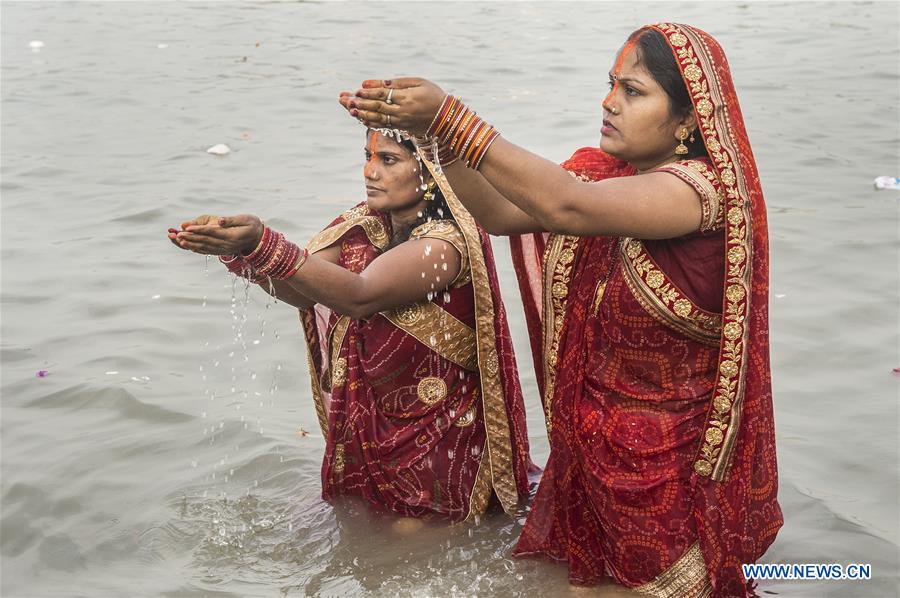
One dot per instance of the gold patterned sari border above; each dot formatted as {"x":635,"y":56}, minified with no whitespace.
{"x":686,"y":578}
{"x":499,"y":443}
{"x":663,"y":299}
{"x":456,"y":343}
{"x":558,"y":259}
{"x":338,"y":367}
{"x":372,"y":226}
{"x":693,"y":57}
{"x":481,"y":491}
{"x":308,"y":322}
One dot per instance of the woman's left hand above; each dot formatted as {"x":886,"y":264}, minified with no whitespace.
{"x":409,"y":103}
{"x":227,"y":235}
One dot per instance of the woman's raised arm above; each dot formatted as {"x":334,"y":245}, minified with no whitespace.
{"x":495,"y":213}
{"x":648,"y":206}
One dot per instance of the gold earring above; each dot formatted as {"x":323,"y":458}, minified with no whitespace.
{"x":681,"y":149}
{"x":429,"y":192}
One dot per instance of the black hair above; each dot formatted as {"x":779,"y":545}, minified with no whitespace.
{"x":657,"y":59}
{"x":435,"y":208}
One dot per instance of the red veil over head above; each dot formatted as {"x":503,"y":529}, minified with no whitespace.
{"x":734,"y":477}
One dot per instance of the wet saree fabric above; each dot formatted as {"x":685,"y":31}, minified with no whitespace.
{"x":420,"y":406}
{"x":654,"y":372}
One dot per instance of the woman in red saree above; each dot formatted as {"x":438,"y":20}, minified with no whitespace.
{"x":413,"y":374}
{"x":643,"y":267}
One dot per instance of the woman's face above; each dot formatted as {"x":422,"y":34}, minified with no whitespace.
{"x":391,"y":173}
{"x":637,"y":124}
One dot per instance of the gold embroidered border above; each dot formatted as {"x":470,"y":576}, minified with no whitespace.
{"x":663,"y":300}
{"x":481,"y":491}
{"x":338,"y":372}
{"x":557,"y":266}
{"x":311,"y":335}
{"x":499,"y":443}
{"x":430,"y":325}
{"x":372,"y":226}
{"x":695,"y":61}
{"x":686,"y":578}
{"x":701,"y":178}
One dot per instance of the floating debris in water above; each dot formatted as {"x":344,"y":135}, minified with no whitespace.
{"x":36,"y":45}
{"x":162,"y":46}
{"x":220,"y":149}
{"x":42,"y":374}
{"x":155,"y":297}
{"x":780,"y":296}
{"x":302,"y":433}
{"x":112,"y":373}
{"x":890,"y":183}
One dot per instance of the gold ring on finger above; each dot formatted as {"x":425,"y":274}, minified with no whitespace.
{"x":389,"y":95}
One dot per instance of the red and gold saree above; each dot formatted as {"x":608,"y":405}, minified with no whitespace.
{"x":653,"y":362}
{"x":420,"y":406}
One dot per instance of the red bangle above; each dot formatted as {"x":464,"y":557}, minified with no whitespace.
{"x":262,"y":241}
{"x":299,"y":264}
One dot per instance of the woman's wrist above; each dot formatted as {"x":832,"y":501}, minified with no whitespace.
{"x":255,"y":245}
{"x":459,"y":129}
{"x":273,"y":257}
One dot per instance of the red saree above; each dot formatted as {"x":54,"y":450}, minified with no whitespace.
{"x":654,"y":369}
{"x":420,"y":406}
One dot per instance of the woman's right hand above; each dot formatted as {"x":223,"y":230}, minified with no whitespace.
{"x":414,"y":103}
{"x":213,"y":235}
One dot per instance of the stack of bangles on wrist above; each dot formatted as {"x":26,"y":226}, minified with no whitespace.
{"x":274,"y":257}
{"x":459,"y":133}
{"x":434,"y":152}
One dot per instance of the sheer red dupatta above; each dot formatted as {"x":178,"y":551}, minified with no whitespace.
{"x":734,"y":479}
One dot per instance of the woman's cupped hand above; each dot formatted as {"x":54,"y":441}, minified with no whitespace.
{"x":218,"y":235}
{"x":410,"y":102}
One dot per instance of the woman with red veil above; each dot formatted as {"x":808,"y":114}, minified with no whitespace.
{"x":643,"y":266}
{"x":413,"y":374}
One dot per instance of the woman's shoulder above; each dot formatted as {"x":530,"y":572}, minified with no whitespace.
{"x":447,"y":230}
{"x":359,"y":221}
{"x":699,"y":174}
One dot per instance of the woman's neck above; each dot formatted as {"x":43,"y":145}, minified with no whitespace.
{"x":402,"y":218}
{"x":651,"y":165}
